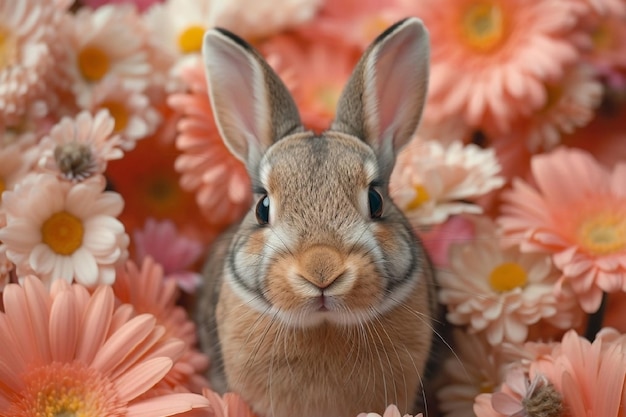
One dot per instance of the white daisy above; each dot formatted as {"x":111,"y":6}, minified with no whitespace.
{"x":501,"y":292}
{"x":108,"y":41}
{"x":59,"y":230}
{"x":432,"y":181}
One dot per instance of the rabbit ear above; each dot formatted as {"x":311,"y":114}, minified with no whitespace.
{"x":251,"y":105}
{"x":383,"y":100}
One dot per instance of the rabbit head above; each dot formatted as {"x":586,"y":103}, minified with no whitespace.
{"x":323,"y":241}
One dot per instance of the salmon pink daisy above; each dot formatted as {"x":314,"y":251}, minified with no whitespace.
{"x":228,"y":405}
{"x":60,"y":230}
{"x":490,"y":58}
{"x":500,"y":291}
{"x":571,"y":104}
{"x":590,"y":376}
{"x":577,"y":214}
{"x":148,"y":292}
{"x":431,"y":182}
{"x":175,"y":252}
{"x":70,"y":353}
{"x":79,"y":148}
{"x":207,"y":167}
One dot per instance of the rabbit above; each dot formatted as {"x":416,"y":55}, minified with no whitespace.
{"x":320,"y":302}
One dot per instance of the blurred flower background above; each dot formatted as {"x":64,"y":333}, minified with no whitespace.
{"x":115,"y":182}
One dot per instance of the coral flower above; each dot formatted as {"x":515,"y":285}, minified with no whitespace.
{"x":71,"y":353}
{"x":315,"y":73}
{"x":490,"y":57}
{"x":60,"y":230}
{"x":390,"y":411}
{"x":431,"y":182}
{"x":577,"y":214}
{"x":79,"y":148}
{"x":590,"y":376}
{"x":571,"y":104}
{"x":501,"y":291}
{"x":147,"y":291}
{"x":207,"y":167}
{"x":174,"y":251}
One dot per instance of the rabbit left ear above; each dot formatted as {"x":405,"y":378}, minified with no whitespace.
{"x":251,"y":105}
{"x":383,"y":101}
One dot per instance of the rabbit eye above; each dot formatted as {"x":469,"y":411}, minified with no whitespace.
{"x":375,"y":201}
{"x":263,"y":210}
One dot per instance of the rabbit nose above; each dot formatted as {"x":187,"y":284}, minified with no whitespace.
{"x":321,"y":265}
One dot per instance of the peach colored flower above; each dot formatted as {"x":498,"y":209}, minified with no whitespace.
{"x":314,"y":71}
{"x":28,"y":32}
{"x":490,"y":58}
{"x":431,"y":182}
{"x":71,"y":353}
{"x":107,"y":41}
{"x":207,"y":167}
{"x":135,"y":117}
{"x":590,"y":376}
{"x":572,"y":100}
{"x":577,"y":214}
{"x":59,"y":230}
{"x":501,"y":291}
{"x":79,"y":148}
{"x":147,"y":291}
{"x":14,"y":165}
{"x":354,"y":22}
{"x":175,"y":252}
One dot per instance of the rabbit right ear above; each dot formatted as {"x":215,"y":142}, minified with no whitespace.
{"x":251,"y":105}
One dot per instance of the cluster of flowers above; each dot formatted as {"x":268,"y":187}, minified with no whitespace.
{"x":114,"y":179}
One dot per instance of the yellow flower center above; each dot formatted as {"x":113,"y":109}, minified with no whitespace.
{"x":483,"y":26}
{"x":66,"y":390}
{"x":119,"y":112}
{"x":63,"y":233}
{"x":7,"y":48}
{"x":93,"y":63}
{"x":190,"y":39}
{"x":604,"y":234}
{"x":507,"y":276}
{"x":421,"y":197}
{"x":602,"y":37}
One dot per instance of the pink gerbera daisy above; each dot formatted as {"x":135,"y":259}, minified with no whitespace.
{"x":60,"y":230}
{"x":147,"y":291}
{"x":490,"y":57}
{"x":71,"y":353}
{"x":207,"y":167}
{"x":577,"y":214}
{"x":572,"y":100}
{"x":175,"y":252}
{"x":79,"y":148}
